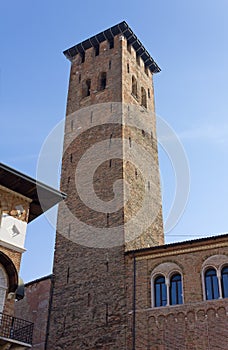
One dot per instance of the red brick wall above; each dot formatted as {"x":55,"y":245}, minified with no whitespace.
{"x":34,"y":308}
{"x":89,"y":295}
{"x":196,"y":324}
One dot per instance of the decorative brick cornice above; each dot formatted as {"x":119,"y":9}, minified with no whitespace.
{"x":186,"y":250}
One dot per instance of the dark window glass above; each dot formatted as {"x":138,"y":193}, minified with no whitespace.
{"x":211,"y":284}
{"x":160,"y":291}
{"x":176,"y":290}
{"x":225,"y":282}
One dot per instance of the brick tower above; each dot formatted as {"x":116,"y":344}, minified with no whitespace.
{"x":111,"y":176}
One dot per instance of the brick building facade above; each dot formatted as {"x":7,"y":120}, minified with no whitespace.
{"x":19,"y":205}
{"x":35,"y":307}
{"x":116,"y":284}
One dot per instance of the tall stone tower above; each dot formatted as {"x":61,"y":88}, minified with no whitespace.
{"x":110,"y":173}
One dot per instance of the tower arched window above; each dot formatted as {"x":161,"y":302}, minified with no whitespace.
{"x":143,"y":97}
{"x":176,"y":290}
{"x":224,"y":281}
{"x":160,"y":291}
{"x":134,"y":86}
{"x":211,"y":284}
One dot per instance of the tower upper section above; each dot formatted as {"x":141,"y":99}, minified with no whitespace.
{"x":110,"y":134}
{"x":107,"y":66}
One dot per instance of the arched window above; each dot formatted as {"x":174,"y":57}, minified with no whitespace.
{"x":143,"y":97}
{"x":166,"y":284}
{"x":160,"y":291}
{"x":224,"y":281}
{"x":3,"y":287}
{"x":211,"y":284}
{"x":134,"y":86}
{"x":102,"y":81}
{"x":176,"y":290}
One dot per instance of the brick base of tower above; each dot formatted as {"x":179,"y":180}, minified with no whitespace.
{"x":88,"y":312}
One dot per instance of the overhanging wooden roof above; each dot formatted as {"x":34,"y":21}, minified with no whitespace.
{"x":121,"y":28}
{"x":42,"y":197}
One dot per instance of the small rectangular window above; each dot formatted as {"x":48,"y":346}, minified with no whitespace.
{"x":97,"y":50}
{"x":146,"y":70}
{"x":128,"y":47}
{"x":111,"y":43}
{"x":138,"y":59}
{"x":83,"y":57}
{"x":103,"y":81}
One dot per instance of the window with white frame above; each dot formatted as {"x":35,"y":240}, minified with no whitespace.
{"x":166,"y":285}
{"x":175,"y":289}
{"x":211,"y":284}
{"x":224,"y":281}
{"x":215,"y":277}
{"x":160,"y":291}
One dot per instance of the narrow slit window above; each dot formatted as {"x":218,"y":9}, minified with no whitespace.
{"x":146,"y":70}
{"x":129,"y":141}
{"x":134,"y":86}
{"x":86,"y":88}
{"x":143,"y":97}
{"x":128,"y":68}
{"x":111,"y":43}
{"x":103,"y":81}
{"x":83,"y":57}
{"x":97,"y":50}
{"x":138,"y":59}
{"x":128,"y":47}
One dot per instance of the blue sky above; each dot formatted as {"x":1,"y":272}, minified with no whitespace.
{"x":188,"y":39}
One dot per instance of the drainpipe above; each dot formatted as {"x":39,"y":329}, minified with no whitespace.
{"x":134,"y":303}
